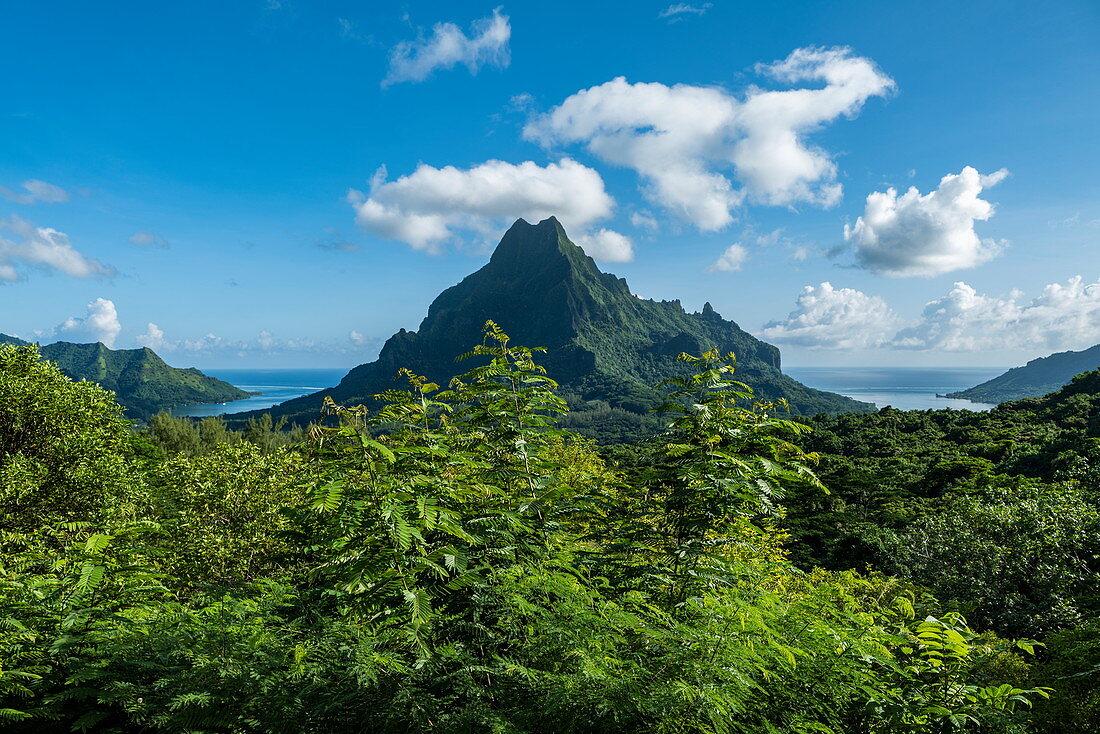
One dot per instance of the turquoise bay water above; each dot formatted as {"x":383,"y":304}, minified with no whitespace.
{"x":274,"y":386}
{"x":905,"y":388}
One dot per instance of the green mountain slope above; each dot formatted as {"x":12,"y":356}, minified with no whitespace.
{"x":607,"y":347}
{"x":5,"y":339}
{"x":1038,"y":377}
{"x":143,"y":383}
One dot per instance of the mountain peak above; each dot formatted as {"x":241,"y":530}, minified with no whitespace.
{"x":607,"y":347}
{"x":525,"y":242}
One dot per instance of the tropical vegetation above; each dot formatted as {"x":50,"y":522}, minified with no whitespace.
{"x":451,"y":559}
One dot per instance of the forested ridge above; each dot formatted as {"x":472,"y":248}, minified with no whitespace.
{"x":1036,"y":378}
{"x":143,"y":383}
{"x":450,"y":559}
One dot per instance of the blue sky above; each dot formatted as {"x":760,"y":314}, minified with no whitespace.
{"x":213,"y":169}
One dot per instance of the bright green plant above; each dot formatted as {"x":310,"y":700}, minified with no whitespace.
{"x":64,"y":446}
{"x":224,"y":513}
{"x":705,"y":505}
{"x":454,"y":562}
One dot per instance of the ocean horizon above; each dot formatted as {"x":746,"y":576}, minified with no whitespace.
{"x":904,"y":388}
{"x":273,"y":385}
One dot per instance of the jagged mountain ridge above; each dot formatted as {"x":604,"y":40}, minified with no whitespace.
{"x":143,"y":383}
{"x":1036,"y":378}
{"x":606,"y":346}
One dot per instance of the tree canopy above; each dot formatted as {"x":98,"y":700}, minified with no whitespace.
{"x":454,"y":560}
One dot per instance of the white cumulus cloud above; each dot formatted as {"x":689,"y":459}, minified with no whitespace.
{"x":685,"y":142}
{"x":825,"y":317}
{"x":606,"y":245}
{"x":732,"y":259}
{"x":1063,"y":316}
{"x":448,"y":46}
{"x":431,"y":205}
{"x":35,"y":192}
{"x":100,"y":324}
{"x":915,"y":235}
{"x":44,"y":248}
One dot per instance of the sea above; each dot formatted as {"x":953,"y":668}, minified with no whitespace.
{"x":905,"y":388}
{"x":274,"y":387}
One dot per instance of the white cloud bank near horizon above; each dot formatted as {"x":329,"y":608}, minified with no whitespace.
{"x":101,"y":323}
{"x":685,"y":141}
{"x":1064,"y":316}
{"x":431,"y":206}
{"x":926,"y":235}
{"x":448,"y":46}
{"x":265,"y":342}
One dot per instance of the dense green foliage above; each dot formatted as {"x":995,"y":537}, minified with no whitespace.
{"x":192,"y":437}
{"x":456,"y":562}
{"x":997,"y":513}
{"x":1035,"y":379}
{"x":607,"y":347}
{"x":64,"y":448}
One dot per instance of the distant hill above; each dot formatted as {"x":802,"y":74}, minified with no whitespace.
{"x":142,"y":382}
{"x":607,"y":347}
{"x":1038,"y":377}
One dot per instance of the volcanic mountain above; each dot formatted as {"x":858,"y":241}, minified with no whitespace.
{"x":607,"y":347}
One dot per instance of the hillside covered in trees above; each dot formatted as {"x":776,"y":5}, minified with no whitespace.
{"x":1035,"y":379}
{"x":143,"y":383}
{"x":454,"y":561}
{"x":607,"y":347}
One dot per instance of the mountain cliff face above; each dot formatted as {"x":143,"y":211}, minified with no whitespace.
{"x":142,"y":382}
{"x":1038,"y":377}
{"x":607,"y":347}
